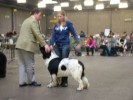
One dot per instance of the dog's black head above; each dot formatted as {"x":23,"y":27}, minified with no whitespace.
{"x":44,"y":54}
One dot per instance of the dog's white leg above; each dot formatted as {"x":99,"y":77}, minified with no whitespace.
{"x":85,"y":82}
{"x":50,"y":84}
{"x":53,"y":83}
{"x":77,"y":76}
{"x":81,"y":86}
{"x":58,"y":80}
{"x":54,"y":77}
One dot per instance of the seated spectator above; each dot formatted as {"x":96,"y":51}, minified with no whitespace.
{"x":90,"y":45}
{"x":98,"y":40}
{"x":9,"y":34}
{"x":124,"y":35}
{"x":104,"y":47}
{"x":121,"y":44}
{"x":14,"y":36}
{"x":112,"y":42}
{"x":82,"y":34}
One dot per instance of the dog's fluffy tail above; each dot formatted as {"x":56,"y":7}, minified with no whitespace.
{"x":83,"y":74}
{"x":83,"y":77}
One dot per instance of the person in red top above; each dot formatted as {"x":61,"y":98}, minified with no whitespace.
{"x":90,"y":45}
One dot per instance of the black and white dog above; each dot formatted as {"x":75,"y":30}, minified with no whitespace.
{"x":64,"y":67}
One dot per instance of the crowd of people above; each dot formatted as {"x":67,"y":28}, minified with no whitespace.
{"x":5,"y":38}
{"x":111,"y":45}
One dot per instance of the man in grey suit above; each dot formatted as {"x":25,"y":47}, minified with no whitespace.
{"x":27,"y":45}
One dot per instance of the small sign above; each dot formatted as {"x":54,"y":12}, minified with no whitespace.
{"x":53,"y":21}
{"x":128,"y":19}
{"x":106,"y":32}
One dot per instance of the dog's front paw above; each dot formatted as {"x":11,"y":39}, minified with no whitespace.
{"x":50,"y":85}
{"x":79,"y":89}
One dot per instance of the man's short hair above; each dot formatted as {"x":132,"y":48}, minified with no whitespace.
{"x":35,"y":11}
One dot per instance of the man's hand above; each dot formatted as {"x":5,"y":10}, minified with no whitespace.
{"x":47,"y":48}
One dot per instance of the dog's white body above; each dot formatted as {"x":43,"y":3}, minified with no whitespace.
{"x":73,"y":68}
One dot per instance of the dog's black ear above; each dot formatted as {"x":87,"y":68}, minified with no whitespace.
{"x":44,"y":54}
{"x":42,"y":49}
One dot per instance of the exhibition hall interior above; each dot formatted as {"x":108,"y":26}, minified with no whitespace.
{"x":66,"y":49}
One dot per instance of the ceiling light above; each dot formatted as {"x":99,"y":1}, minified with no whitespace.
{"x":21,"y":1}
{"x":41,"y":4}
{"x":114,"y":1}
{"x":57,"y":8}
{"x":74,"y":0}
{"x":123,"y":5}
{"x":88,"y":2}
{"x":64,"y":4}
{"x":78,"y":7}
{"x":100,"y":6}
{"x":50,"y":1}
{"x":103,"y":0}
